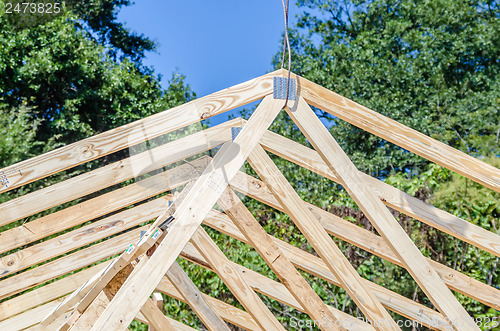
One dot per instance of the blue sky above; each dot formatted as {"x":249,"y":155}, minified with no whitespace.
{"x":216,"y":44}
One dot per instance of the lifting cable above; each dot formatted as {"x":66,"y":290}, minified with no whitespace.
{"x":286,"y":45}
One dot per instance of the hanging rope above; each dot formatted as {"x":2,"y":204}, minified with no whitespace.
{"x":286,"y":45}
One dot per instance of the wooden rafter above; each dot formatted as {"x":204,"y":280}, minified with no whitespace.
{"x":413,"y":260}
{"x":117,"y":218}
{"x":189,"y":214}
{"x":399,"y":134}
{"x":271,"y":288}
{"x":320,"y":241}
{"x":370,"y":242}
{"x":195,"y":299}
{"x":389,"y":195}
{"x":234,"y":281}
{"x":277,"y":261}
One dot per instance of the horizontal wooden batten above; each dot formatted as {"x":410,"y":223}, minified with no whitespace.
{"x":82,"y":236}
{"x":115,"y":173}
{"x":315,"y":266}
{"x":136,"y":132}
{"x":370,"y":242}
{"x":101,"y":205}
{"x":47,"y":293}
{"x":391,"y":196}
{"x":234,"y":281}
{"x":68,"y":263}
{"x":398,"y":134}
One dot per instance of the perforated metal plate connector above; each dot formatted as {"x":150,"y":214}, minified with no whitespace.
{"x":279,"y":88}
{"x":234,"y":132}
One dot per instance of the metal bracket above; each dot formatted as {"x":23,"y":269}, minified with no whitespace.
{"x":279,"y":88}
{"x":163,"y":226}
{"x":234,"y":132}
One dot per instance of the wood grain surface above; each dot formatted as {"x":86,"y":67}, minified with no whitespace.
{"x":133,"y":133}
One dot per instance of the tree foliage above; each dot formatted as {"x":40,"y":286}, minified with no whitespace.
{"x":431,"y":65}
{"x":80,"y":73}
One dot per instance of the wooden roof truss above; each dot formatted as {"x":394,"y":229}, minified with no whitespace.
{"x":111,"y":293}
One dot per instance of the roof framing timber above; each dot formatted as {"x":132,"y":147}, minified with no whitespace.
{"x":113,"y":293}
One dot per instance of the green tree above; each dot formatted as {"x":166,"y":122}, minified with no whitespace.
{"x":18,"y":134}
{"x":80,"y":73}
{"x":431,"y":65}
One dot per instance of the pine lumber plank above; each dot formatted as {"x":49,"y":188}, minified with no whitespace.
{"x":229,"y":313}
{"x":399,"y":134}
{"x":86,"y":318}
{"x":88,"y":291}
{"x":276,"y":260}
{"x":320,"y":241}
{"x":119,"y":265}
{"x":29,"y":320}
{"x":157,"y":299}
{"x":389,"y":195}
{"x":416,"y":264}
{"x":195,"y":298}
{"x":101,"y":205}
{"x":68,"y":263}
{"x":82,"y":236}
{"x":156,"y":320}
{"x":315,"y":266}
{"x":370,"y":242}
{"x":234,"y":281}
{"x":133,"y":133}
{"x":115,"y":173}
{"x":29,"y":317}
{"x":189,"y":216}
{"x":272,"y":289}
{"x":47,"y":293}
